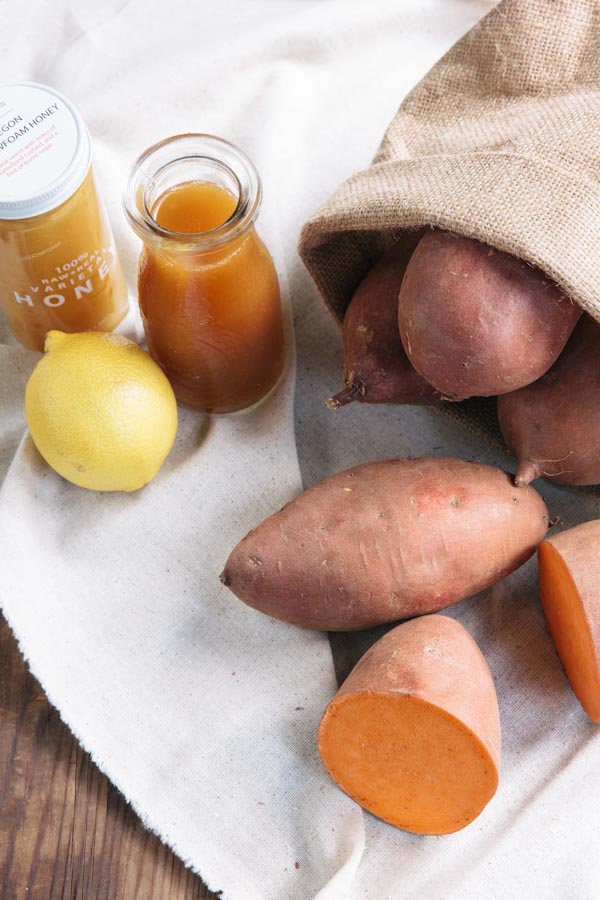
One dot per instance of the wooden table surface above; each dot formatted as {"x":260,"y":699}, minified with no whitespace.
{"x":65,"y":832}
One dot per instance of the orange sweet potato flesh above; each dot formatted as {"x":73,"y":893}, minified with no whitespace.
{"x":553,"y":425}
{"x":478,"y":322}
{"x":376,"y":367}
{"x":569,"y":567}
{"x":385,"y":541}
{"x":413,"y":735}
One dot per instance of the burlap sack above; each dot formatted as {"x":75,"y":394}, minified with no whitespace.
{"x":499,"y":142}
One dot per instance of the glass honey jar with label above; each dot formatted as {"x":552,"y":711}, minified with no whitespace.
{"x":208,"y":289}
{"x":58,"y":263}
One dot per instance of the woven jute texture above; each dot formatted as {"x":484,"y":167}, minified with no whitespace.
{"x":499,"y":142}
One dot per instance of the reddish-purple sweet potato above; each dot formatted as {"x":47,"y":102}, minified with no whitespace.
{"x":478,"y":322}
{"x":413,"y":734}
{"x":386,"y":541}
{"x":553,"y":425}
{"x":376,"y":367}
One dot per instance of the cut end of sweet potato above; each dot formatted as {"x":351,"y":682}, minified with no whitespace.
{"x":570,"y":627}
{"x":407,"y":761}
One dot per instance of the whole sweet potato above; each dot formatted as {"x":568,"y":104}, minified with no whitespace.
{"x":385,"y":541}
{"x":478,"y":322}
{"x":376,"y":367}
{"x":553,"y":425}
{"x":413,"y":734}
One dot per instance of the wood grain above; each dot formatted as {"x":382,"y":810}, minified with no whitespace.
{"x":65,"y":832}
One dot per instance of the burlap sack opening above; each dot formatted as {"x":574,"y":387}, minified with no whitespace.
{"x":499,"y":142}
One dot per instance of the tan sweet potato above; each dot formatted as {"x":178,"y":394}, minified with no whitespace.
{"x":569,"y":564}
{"x":376,"y":367}
{"x":553,"y":425}
{"x":478,"y":322}
{"x":385,"y":541}
{"x":413,"y":734}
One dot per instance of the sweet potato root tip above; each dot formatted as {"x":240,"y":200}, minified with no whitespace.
{"x":527,"y":472}
{"x":413,"y":734}
{"x":224,"y":578}
{"x":568,"y":565}
{"x":348,"y":394}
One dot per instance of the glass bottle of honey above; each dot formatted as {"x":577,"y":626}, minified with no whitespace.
{"x":58,"y":264}
{"x":208,"y":290}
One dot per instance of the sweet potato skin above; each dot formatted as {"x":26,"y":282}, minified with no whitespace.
{"x":553,"y":425}
{"x":579,"y":550}
{"x":478,"y":322}
{"x":432,"y":660}
{"x":376,"y":367}
{"x":385,"y":541}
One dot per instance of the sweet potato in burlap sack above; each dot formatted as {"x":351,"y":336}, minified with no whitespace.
{"x":499,"y":142}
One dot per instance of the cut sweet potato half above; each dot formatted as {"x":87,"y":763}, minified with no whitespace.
{"x":569,"y":563}
{"x":413,"y":735}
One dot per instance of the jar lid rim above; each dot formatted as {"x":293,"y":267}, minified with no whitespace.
{"x":41,"y":172}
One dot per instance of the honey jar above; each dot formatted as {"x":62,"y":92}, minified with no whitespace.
{"x":208,"y":289}
{"x":58,"y":264}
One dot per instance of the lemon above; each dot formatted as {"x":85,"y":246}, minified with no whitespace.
{"x":100,"y":411}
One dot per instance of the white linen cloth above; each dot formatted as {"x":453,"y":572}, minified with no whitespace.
{"x":202,"y":711}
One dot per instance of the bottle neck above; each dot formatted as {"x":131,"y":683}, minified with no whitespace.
{"x":188,"y":160}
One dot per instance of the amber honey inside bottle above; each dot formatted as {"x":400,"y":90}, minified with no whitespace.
{"x":60,"y":271}
{"x":208,"y":289}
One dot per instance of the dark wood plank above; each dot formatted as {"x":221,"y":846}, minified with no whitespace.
{"x":65,"y":832}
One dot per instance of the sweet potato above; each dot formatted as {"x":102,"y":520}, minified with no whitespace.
{"x":478,"y":322}
{"x":570,"y":595}
{"x":413,"y":734}
{"x":376,"y":367}
{"x":385,"y":541}
{"x":553,"y":425}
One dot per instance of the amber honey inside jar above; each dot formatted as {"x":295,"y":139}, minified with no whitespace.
{"x":208,"y":290}
{"x":58,"y":264}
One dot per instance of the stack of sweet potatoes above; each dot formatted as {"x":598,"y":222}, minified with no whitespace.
{"x":458,"y":319}
{"x":414,"y":734}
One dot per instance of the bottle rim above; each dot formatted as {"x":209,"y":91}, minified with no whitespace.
{"x":56,"y":182}
{"x":204,"y":149}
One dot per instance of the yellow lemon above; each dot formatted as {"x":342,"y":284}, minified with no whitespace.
{"x":100,"y":411}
